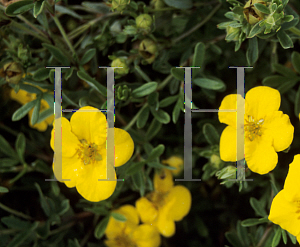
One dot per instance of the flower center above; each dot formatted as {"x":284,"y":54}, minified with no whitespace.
{"x":88,"y":152}
{"x":253,"y":128}
{"x":157,"y":198}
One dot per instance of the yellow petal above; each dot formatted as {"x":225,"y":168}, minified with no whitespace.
{"x":90,"y":188}
{"x":130,"y":212}
{"x":69,"y":141}
{"x":230,"y":103}
{"x":146,"y":210}
{"x":262,"y":101}
{"x":284,"y":214}
{"x":124,"y":146}
{"x":146,"y":236}
{"x":278,"y":126}
{"x":175,"y":162}
{"x":90,"y":126}
{"x":228,"y":149}
{"x":163,"y":181}
{"x":22,"y":96}
{"x":182,"y":202}
{"x":111,"y":243}
{"x":292,"y":182}
{"x":260,"y":154}
{"x":164,"y":224}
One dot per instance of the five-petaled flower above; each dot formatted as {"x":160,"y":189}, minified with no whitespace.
{"x":23,"y":97}
{"x":166,"y":204}
{"x":266,"y":129}
{"x":285,"y":208}
{"x":129,"y":233}
{"x":84,"y":153}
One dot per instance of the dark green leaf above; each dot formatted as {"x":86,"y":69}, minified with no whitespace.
{"x":153,"y":100}
{"x":274,"y":81}
{"x":144,"y":90}
{"x":29,"y":88}
{"x":138,"y":182}
{"x":284,"y":40}
{"x":3,"y":190}
{"x":153,"y":129}
{"x":283,"y":70}
{"x":250,"y":222}
{"x":38,"y":7}
{"x":36,"y":111}
{"x":57,"y":53}
{"x":64,"y":206}
{"x":258,"y":208}
{"x":233,"y":239}
{"x":256,"y":29}
{"x":15,"y":223}
{"x":101,"y":227}
{"x":242,"y":234}
{"x":67,"y":11}
{"x":211,"y":134}
{"x":284,"y":237}
{"x":209,"y":83}
{"x":160,"y":115}
{"x":289,"y":84}
{"x":262,"y":8}
{"x":69,"y":73}
{"x":296,"y":61}
{"x":20,"y":146}
{"x":176,"y":111}
{"x":7,"y":162}
{"x":168,"y":101}
{"x":160,"y":166}
{"x":118,"y":217}
{"x":55,"y":188}
{"x":92,"y":82}
{"x":73,"y":243}
{"x":178,"y":73}
{"x":277,"y":237}
{"x":297,"y":103}
{"x":199,"y":55}
{"x":292,"y":237}
{"x":156,"y":152}
{"x":88,"y":56}
{"x":41,"y":74}
{"x":252,"y":51}
{"x":6,"y":148}
{"x":45,"y":114}
{"x":143,"y":118}
{"x":135,"y":167}
{"x":19,"y":7}
{"x":44,"y":203}
{"x":180,"y":4}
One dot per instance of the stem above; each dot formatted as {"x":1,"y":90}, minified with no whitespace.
{"x":15,"y":212}
{"x":63,"y":33}
{"x":64,"y":227}
{"x":295,"y":30}
{"x":263,"y":238}
{"x":135,"y":117}
{"x":206,"y":19}
{"x":32,"y":26}
{"x":165,"y":82}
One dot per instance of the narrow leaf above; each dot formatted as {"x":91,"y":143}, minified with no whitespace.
{"x":144,"y":90}
{"x":57,"y":53}
{"x":92,"y":82}
{"x":285,"y":40}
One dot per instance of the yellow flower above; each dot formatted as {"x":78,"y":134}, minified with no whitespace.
{"x":129,"y":233}
{"x":267,"y":130}
{"x":175,"y":162}
{"x":165,"y":205}
{"x":285,"y":208}
{"x":23,"y":97}
{"x":84,"y":153}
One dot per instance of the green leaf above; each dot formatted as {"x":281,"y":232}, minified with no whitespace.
{"x":143,"y":118}
{"x":44,"y":203}
{"x":250,"y":222}
{"x":160,"y":115}
{"x":178,"y":73}
{"x":252,"y":51}
{"x":262,"y":8}
{"x":18,"y":7}
{"x":256,"y":205}
{"x":87,"y":56}
{"x":180,"y":4}
{"x":199,"y":55}
{"x":29,"y":88}
{"x":64,"y":207}
{"x":256,"y":29}
{"x":101,"y":227}
{"x":153,"y":129}
{"x":156,"y":152}
{"x":160,"y":166}
{"x":242,"y":234}
{"x":20,"y":146}
{"x":209,"y":83}
{"x":284,"y":237}
{"x":153,"y":100}
{"x":45,"y":114}
{"x":283,"y":70}
{"x":41,"y":74}
{"x":284,"y":40}
{"x":22,"y":236}
{"x":8,"y":162}
{"x":36,"y":110}
{"x":6,"y":148}
{"x":92,"y":82}
{"x":277,"y":237}
{"x":55,"y":188}
{"x":142,"y":73}
{"x":168,"y":101}
{"x":138,"y":182}
{"x":73,"y":243}
{"x":211,"y":134}
{"x":297,"y":103}
{"x":296,"y":61}
{"x":15,"y":223}
{"x":57,"y":53}
{"x":144,"y":90}
{"x":38,"y":7}
{"x":118,"y":217}
{"x":3,"y":190}
{"x":233,"y":239}
{"x":176,"y":111}
{"x":289,"y":84}
{"x":67,"y":11}
{"x":292,"y":237}
{"x":273,"y":81}
{"x":135,"y":167}
{"x":69,"y":73}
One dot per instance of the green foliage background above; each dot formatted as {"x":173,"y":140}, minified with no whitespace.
{"x":149,"y":105}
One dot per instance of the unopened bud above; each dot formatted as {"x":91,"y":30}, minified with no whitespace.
{"x":252,"y":14}
{"x":148,"y":50}
{"x":12,"y":72}
{"x":119,"y":5}
{"x":120,"y":62}
{"x":144,"y":22}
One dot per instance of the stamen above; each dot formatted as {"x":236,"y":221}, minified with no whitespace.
{"x":253,"y":128}
{"x":88,"y":153}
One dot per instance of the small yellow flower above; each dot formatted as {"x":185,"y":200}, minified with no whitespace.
{"x":23,"y":97}
{"x":266,"y":129}
{"x":129,"y":233}
{"x":285,"y":208}
{"x":84,"y":153}
{"x":165,"y":205}
{"x":175,"y":162}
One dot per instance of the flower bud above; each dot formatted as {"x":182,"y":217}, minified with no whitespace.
{"x":12,"y":72}
{"x":119,"y":5}
{"x":232,"y":33}
{"x":158,"y":4}
{"x":120,"y":62}
{"x":144,"y":22}
{"x":252,"y":14}
{"x":228,"y":172}
{"x":148,"y":50}
{"x":123,"y":92}
{"x":215,"y":161}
